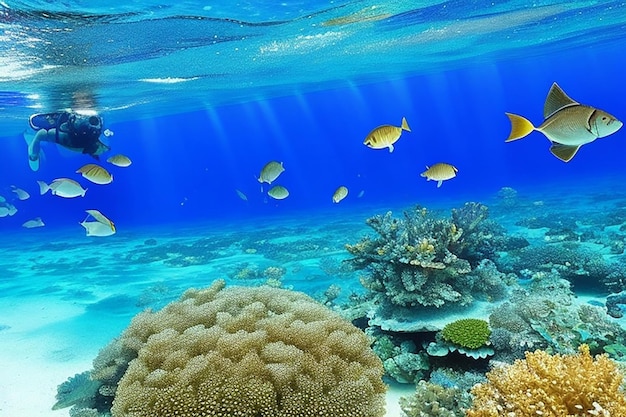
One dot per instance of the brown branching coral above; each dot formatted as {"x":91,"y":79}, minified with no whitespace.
{"x":256,"y":352}
{"x":552,"y":386}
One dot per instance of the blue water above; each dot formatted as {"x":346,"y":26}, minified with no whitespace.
{"x":187,"y":166}
{"x":200,"y":96}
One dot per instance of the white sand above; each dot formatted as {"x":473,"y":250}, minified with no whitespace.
{"x":35,"y":358}
{"x":33,"y":361}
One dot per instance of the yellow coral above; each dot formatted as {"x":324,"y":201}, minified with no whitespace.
{"x":248,"y":352}
{"x":426,"y":247}
{"x":552,"y":386}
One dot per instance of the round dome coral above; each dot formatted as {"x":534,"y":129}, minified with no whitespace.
{"x":468,"y":333}
{"x":254,"y":352}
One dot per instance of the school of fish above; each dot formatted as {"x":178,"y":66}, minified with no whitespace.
{"x":567,"y":124}
{"x":69,"y":188}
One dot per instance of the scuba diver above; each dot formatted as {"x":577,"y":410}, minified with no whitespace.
{"x":75,"y":131}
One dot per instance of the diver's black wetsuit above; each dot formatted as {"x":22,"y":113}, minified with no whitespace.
{"x":82,"y":132}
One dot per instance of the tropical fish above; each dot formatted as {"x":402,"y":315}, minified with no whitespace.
{"x":270,"y":172}
{"x":97,"y":229}
{"x":7,"y":209}
{"x":96,"y":174}
{"x":21,"y":194}
{"x":340,"y":194}
{"x":101,"y":218}
{"x":385,"y":136}
{"x":440,"y":172}
{"x":63,"y":187}
{"x":241,"y":195}
{"x":120,"y":160}
{"x":278,"y":192}
{"x":12,"y":209}
{"x":567,"y":124}
{"x":31,"y":224}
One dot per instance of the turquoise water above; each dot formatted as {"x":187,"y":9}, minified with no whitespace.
{"x":200,"y":96}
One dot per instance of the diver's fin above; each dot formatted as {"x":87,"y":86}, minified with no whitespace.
{"x":46,"y":121}
{"x":564,"y":152}
{"x":33,"y":162}
{"x":556,"y":100}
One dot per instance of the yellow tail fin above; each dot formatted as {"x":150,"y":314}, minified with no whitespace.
{"x":405,"y":125}
{"x":520,"y":127}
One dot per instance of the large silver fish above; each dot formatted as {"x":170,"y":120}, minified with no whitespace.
{"x":63,"y":187}
{"x":568,"y":124}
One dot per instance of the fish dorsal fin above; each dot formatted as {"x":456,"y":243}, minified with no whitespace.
{"x":556,"y":100}
{"x":564,"y":152}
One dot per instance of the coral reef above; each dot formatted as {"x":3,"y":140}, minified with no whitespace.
{"x":545,"y":385}
{"x":450,"y":378}
{"x":581,"y":264}
{"x":441,"y":347}
{"x":546,"y":315}
{"x":79,"y":390}
{"x":613,"y":303}
{"x":424,"y":260}
{"x":508,"y":197}
{"x":242,"y":352}
{"x":402,"y":361}
{"x":432,"y":400}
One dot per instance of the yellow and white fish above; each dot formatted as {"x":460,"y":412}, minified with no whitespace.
{"x":270,"y":172}
{"x":439,"y":172}
{"x":63,"y":187}
{"x":567,"y":124}
{"x":278,"y":192}
{"x":96,"y":174}
{"x":340,"y":194}
{"x":385,"y":136}
{"x":36,"y":222}
{"x":101,"y":218}
{"x":119,"y":160}
{"x":97,"y":229}
{"x":21,"y":194}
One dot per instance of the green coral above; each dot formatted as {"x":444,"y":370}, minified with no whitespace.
{"x":467,"y":333}
{"x":79,"y":390}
